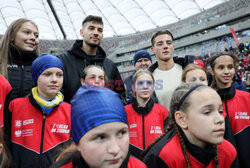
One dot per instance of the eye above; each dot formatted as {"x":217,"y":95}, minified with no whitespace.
{"x":100,"y":30}
{"x":207,"y":112}
{"x":60,"y":75}
{"x":122,"y":132}
{"x":150,"y":83}
{"x":99,"y":138}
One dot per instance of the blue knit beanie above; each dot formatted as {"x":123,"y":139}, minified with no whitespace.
{"x":93,"y":106}
{"x":44,"y":62}
{"x":141,"y":54}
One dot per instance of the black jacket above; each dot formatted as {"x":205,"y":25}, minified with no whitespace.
{"x":19,"y":71}
{"x":75,"y":60}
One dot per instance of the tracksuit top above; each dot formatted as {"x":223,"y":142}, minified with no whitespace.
{"x":236,"y":104}
{"x":36,"y":137}
{"x":145,"y":123}
{"x":5,"y":88}
{"x":167,"y":153}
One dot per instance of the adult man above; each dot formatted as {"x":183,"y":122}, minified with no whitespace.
{"x":166,"y":72}
{"x":142,"y":60}
{"x":88,"y":52}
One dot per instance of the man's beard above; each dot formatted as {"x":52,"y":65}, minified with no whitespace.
{"x":92,"y":44}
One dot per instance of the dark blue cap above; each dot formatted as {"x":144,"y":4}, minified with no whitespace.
{"x":93,"y":106}
{"x":44,"y":62}
{"x":142,"y":54}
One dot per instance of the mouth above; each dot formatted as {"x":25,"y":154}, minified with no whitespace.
{"x":220,"y":131}
{"x":226,"y":77}
{"x":114,"y":161}
{"x":166,"y":52}
{"x":53,"y":87}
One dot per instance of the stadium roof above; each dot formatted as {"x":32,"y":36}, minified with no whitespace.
{"x":120,"y":17}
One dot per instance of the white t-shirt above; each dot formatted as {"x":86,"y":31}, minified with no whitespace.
{"x":165,"y":84}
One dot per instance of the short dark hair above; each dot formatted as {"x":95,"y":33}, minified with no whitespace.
{"x":93,"y":18}
{"x":160,"y":32}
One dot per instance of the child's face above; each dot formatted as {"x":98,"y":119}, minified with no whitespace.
{"x":144,"y":86}
{"x":204,"y":119}
{"x":105,"y":146}
{"x":223,"y":71}
{"x":49,"y":83}
{"x":95,"y":76}
{"x":27,"y":37}
{"x":197,"y":76}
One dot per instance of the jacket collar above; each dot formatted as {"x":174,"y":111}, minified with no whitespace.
{"x":204,"y":156}
{"x":76,"y":50}
{"x":143,"y":110}
{"x":227,"y":93}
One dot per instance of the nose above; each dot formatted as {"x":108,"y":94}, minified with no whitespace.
{"x":219,"y":119}
{"x":113,"y":147}
{"x":54,"y":78}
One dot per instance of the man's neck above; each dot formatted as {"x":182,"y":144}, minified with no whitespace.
{"x":165,"y":65}
{"x":88,"y":49}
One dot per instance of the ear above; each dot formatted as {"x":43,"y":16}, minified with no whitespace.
{"x":82,"y":81}
{"x":152,"y":49}
{"x":81,"y":32}
{"x":211,"y":71}
{"x":173,"y":46}
{"x":181,"y":119}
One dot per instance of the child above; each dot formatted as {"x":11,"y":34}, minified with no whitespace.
{"x":145,"y":118}
{"x":194,"y":73}
{"x":194,"y":136}
{"x":99,"y":130}
{"x":93,"y":75}
{"x":40,"y":122}
{"x":235,"y":102}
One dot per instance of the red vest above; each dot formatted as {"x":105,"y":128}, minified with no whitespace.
{"x":153,"y":123}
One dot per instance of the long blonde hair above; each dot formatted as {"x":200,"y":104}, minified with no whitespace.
{"x":7,"y":39}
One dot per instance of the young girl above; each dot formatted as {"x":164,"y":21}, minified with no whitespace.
{"x":40,"y":122}
{"x":235,"y":102}
{"x":194,"y":136}
{"x":194,"y":73}
{"x":99,"y":131}
{"x":145,"y":118}
{"x":18,"y":48}
{"x":93,"y":75}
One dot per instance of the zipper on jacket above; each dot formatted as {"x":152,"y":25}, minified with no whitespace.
{"x":42,"y":137}
{"x":21,"y":81}
{"x":143,"y":132}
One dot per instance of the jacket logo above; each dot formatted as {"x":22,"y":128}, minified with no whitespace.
{"x":133,"y":125}
{"x":18,"y":133}
{"x":18,"y":123}
{"x":60,"y":128}
{"x":29,"y":121}
{"x":241,"y":115}
{"x":155,"y":130}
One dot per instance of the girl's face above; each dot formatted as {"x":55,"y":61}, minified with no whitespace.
{"x":144,"y":87}
{"x":204,"y":122}
{"x":105,"y":146}
{"x":223,"y":71}
{"x":49,"y":83}
{"x":27,"y":37}
{"x":197,"y":76}
{"x":95,"y":76}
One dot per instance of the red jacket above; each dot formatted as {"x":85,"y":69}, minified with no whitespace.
{"x":145,"y":124}
{"x":5,"y":88}
{"x":236,"y":104}
{"x":36,"y":136}
{"x":167,"y":152}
